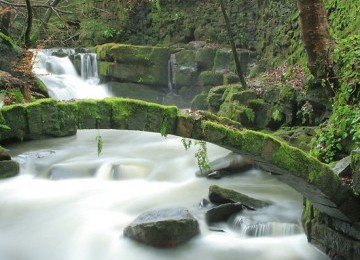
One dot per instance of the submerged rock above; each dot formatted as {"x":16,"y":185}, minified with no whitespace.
{"x":222,"y":212}
{"x":163,"y":227}
{"x":220,"y":195}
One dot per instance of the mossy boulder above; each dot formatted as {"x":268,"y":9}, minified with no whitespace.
{"x":215,"y":98}
{"x":186,"y":68}
{"x":15,"y":119}
{"x":9,"y":169}
{"x":219,"y":195}
{"x":205,"y":58}
{"x":211,"y":78}
{"x":137,"y":64}
{"x":168,"y":227}
{"x":224,"y":60}
{"x":200,"y":102}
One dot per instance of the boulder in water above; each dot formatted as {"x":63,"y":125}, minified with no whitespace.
{"x":9,"y":168}
{"x":222,"y":212}
{"x":167,"y":227}
{"x":219,"y":195}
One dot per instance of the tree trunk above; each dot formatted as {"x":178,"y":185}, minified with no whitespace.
{"x":233,"y":47}
{"x":29,"y":24}
{"x":50,"y":11}
{"x":316,"y":38}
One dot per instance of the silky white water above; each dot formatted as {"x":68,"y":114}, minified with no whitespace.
{"x":70,"y":204}
{"x":62,"y":80}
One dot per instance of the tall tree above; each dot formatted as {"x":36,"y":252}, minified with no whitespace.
{"x":232,"y":43}
{"x":29,"y":24}
{"x":317,"y":41}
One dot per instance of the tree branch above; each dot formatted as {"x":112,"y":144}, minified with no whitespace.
{"x":35,"y":6}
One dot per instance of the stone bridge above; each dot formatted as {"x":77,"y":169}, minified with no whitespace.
{"x":332,"y":210}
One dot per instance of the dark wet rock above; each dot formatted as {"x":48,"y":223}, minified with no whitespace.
{"x":163,"y":227}
{"x":220,"y":195}
{"x":355,"y":166}
{"x":231,"y":163}
{"x":59,"y":53}
{"x":4,"y":156}
{"x":223,"y":212}
{"x":9,"y":169}
{"x":342,"y":167}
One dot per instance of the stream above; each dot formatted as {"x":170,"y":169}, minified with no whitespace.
{"x":68,"y":203}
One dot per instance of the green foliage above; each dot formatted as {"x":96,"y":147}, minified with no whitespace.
{"x":99,"y":142}
{"x":249,"y":114}
{"x":344,"y":124}
{"x":347,"y":60}
{"x":163,"y":129}
{"x":201,"y":156}
{"x":186,"y":142}
{"x":109,"y":33}
{"x":276,"y":115}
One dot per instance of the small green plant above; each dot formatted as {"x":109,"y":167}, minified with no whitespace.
{"x":200,"y":154}
{"x":99,"y":142}
{"x":202,"y":157}
{"x":163,"y":129}
{"x":250,"y":114}
{"x":109,"y":33}
{"x":186,"y":142}
{"x":276,"y":115}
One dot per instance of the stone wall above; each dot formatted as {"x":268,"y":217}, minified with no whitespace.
{"x":150,"y":73}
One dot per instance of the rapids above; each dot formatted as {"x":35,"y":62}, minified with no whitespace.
{"x":68,"y":203}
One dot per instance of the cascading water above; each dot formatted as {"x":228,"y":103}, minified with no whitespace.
{"x":62,"y":80}
{"x":68,"y":203}
{"x":172,"y":97}
{"x":89,"y":70}
{"x":171,"y":73}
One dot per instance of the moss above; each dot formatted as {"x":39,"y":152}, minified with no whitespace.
{"x":205,"y":58}
{"x":221,"y":195}
{"x":15,"y":118}
{"x":230,"y":78}
{"x":242,"y":96}
{"x":67,"y":119}
{"x":291,"y":159}
{"x":41,"y":86}
{"x":224,"y":60}
{"x":210,"y":78}
{"x":213,"y":132}
{"x":140,"y":115}
{"x":200,"y":102}
{"x":93,"y":114}
{"x":136,"y":64}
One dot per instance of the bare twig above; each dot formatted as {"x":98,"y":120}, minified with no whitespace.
{"x":35,"y":6}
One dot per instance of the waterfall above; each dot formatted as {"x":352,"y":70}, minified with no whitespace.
{"x":61,"y":78}
{"x":89,"y":70}
{"x":263,"y":223}
{"x":172,"y":73}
